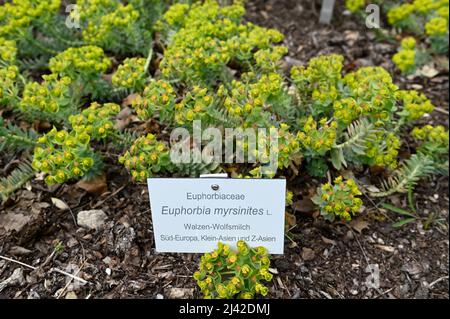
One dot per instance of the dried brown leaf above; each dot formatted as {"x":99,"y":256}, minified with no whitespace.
{"x":95,"y":186}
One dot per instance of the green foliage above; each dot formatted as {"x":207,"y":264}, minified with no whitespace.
{"x":405,"y":58}
{"x":431,"y":157}
{"x":8,"y":51}
{"x":407,"y":175}
{"x":225,"y":274}
{"x":338,"y":200}
{"x":13,"y":137}
{"x":408,"y":217}
{"x":14,"y":181}
{"x":317,"y":167}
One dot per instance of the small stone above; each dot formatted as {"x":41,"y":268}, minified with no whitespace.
{"x":181,"y":293}
{"x":307,"y":254}
{"x":349,"y":236}
{"x":159,"y":296}
{"x":108,"y":271}
{"x":71,"y":295}
{"x":91,"y":219}
{"x":33,"y":295}
{"x":72,"y":242}
{"x":107,"y":260}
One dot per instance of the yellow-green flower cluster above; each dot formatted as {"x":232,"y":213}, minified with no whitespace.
{"x":434,"y":142}
{"x":317,"y":140}
{"x":437,"y":27}
{"x":443,"y":12}
{"x":63,"y":156}
{"x":8,"y":51}
{"x":382,"y":149}
{"x":286,"y":152}
{"x":338,"y":200}
{"x":373,"y":88}
{"x":354,"y":5}
{"x":319,"y":80}
{"x":288,"y":147}
{"x":347,"y":110}
{"x":50,"y":96}
{"x":84,"y":62}
{"x":95,"y":120}
{"x":423,"y":16}
{"x":425,"y":6}
{"x":194,"y":106}
{"x":158,"y":97}
{"x":436,"y":9}
{"x":400,"y":13}
{"x":268,"y":60}
{"x":17,"y":16}
{"x":130,"y":74}
{"x":8,"y":80}
{"x":122,"y":27}
{"x":436,"y":134}
{"x":226,"y":274}
{"x":289,"y":200}
{"x":405,"y":58}
{"x":437,"y":137}
{"x":175,"y":16}
{"x":146,"y":157}
{"x":247,"y":100}
{"x":415,"y":104}
{"x":210,"y":37}
{"x":105,"y":30}
{"x":91,"y":9}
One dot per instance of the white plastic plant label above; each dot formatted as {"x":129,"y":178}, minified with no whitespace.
{"x":193,"y":215}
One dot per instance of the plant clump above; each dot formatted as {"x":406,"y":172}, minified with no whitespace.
{"x":339,"y":200}
{"x":130,"y":74}
{"x":227,"y":274}
{"x":64,"y":156}
{"x":95,"y":120}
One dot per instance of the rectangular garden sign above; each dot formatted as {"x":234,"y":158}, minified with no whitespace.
{"x":191,"y":215}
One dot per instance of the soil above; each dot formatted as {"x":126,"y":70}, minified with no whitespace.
{"x":321,"y":260}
